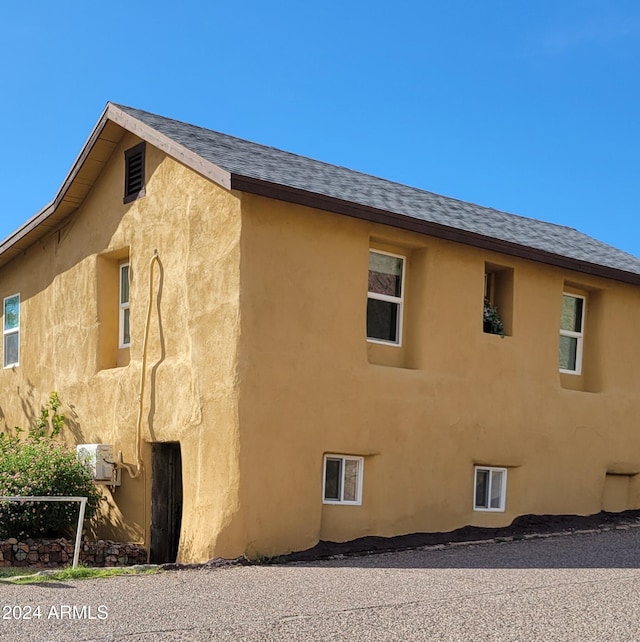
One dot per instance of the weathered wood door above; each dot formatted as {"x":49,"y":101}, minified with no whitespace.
{"x":166,"y":502}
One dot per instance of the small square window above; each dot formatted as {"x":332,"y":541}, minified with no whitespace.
{"x":11,"y":331}
{"x":490,"y":488}
{"x":342,"y":482}
{"x":385,"y":297}
{"x":571,"y":333}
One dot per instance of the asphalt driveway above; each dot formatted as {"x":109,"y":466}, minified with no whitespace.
{"x":575,"y":587}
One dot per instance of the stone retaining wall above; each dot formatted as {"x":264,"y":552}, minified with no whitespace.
{"x":50,"y":553}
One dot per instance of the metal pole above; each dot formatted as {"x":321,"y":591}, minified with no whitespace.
{"x":76,"y":551}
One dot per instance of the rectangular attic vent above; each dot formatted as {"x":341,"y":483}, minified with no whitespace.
{"x":134,"y":173}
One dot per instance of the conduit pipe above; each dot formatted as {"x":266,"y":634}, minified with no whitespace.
{"x":143,"y":372}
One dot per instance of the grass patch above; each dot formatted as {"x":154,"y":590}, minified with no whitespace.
{"x":29,"y":576}
{"x":265,"y":560}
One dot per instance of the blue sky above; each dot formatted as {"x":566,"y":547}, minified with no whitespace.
{"x":528,"y":107}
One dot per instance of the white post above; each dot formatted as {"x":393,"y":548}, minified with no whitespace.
{"x":76,"y":550}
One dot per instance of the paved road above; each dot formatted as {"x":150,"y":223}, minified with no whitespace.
{"x":579,"y":587}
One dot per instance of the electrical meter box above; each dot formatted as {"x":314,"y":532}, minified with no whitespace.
{"x":100,"y":460}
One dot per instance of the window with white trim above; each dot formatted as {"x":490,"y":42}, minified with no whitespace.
{"x":571,"y":333}
{"x":385,"y":297}
{"x":11,"y":331}
{"x":124,"y":338}
{"x":342,"y":480}
{"x":490,"y":488}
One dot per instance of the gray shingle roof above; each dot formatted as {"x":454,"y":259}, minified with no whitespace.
{"x":243,"y":158}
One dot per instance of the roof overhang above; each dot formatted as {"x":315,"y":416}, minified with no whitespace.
{"x":114,"y":123}
{"x":413,"y":224}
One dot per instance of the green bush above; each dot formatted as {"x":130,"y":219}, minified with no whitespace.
{"x":39,"y":465}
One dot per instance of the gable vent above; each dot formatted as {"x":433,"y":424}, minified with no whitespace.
{"x":134,"y":173}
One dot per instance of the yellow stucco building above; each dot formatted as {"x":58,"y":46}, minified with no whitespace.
{"x":281,"y":351}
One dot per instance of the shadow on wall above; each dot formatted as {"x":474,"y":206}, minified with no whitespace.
{"x":161,"y":358}
{"x":32,"y":409}
{"x":72,"y":424}
{"x":27,"y":402}
{"x":108,"y":523}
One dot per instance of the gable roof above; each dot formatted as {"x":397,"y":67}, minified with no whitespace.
{"x":235,"y":163}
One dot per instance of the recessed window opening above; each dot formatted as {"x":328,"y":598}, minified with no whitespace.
{"x":385,"y":297}
{"x":498,"y":299}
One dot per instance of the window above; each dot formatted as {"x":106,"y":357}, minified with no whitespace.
{"x":571,"y":333}
{"x":342,"y":480}
{"x":384,"y":302}
{"x":490,"y":488}
{"x":124,"y":339}
{"x":114,"y":279}
{"x":11,"y":331}
{"x":134,"y":173}
{"x":498,"y":299}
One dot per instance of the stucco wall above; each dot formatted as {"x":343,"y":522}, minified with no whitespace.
{"x":425,"y":413}
{"x":258,"y":365}
{"x":68,"y":287}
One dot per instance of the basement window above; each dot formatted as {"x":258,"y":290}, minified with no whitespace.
{"x":490,"y":488}
{"x":342,"y":480}
{"x":134,"y":173}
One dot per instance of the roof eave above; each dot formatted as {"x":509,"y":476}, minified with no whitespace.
{"x":410,"y":223}
{"x":53,"y":214}
{"x":166,"y":144}
{"x":41,"y":223}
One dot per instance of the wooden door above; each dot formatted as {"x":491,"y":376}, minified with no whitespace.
{"x":166,"y":502}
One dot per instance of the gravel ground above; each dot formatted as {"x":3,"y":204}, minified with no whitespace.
{"x":584,"y":586}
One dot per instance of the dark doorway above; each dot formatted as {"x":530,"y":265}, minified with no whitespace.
{"x":166,"y":502}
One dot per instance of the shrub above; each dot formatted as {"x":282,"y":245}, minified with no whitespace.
{"x":39,"y":465}
{"x":492,"y":324}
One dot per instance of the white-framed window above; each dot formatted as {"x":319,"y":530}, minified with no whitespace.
{"x":124,"y":338}
{"x":11,"y":331}
{"x":571,"y":333}
{"x":385,"y":297}
{"x":490,"y":488}
{"x":342,"y":479}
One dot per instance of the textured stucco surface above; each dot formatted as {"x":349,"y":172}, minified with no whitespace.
{"x":258,"y":366}
{"x":422,"y":414}
{"x":69,"y":315}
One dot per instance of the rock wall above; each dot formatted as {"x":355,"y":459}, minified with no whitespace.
{"x":50,"y":553}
